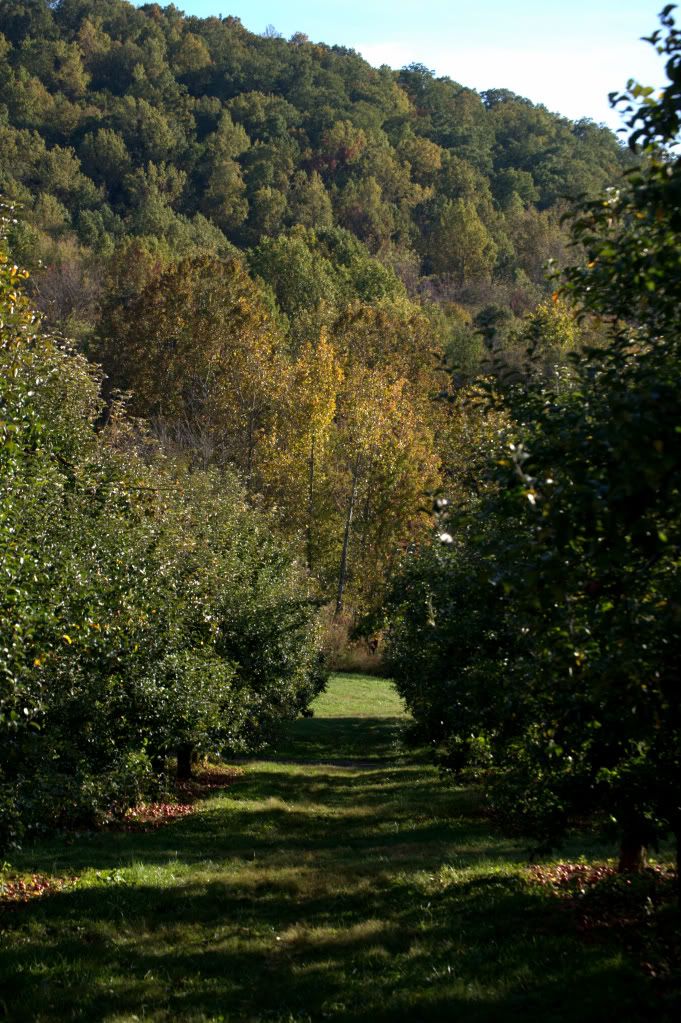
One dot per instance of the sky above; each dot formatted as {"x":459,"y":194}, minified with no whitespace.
{"x":566,"y":54}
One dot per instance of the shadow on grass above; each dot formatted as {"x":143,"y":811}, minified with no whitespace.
{"x":492,"y":951}
{"x":283,"y":814}
{"x":339,"y":738}
{"x":306,"y":895}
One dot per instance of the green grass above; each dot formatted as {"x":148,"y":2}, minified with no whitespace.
{"x":359,"y":696}
{"x":358,"y":717}
{"x":308,"y":893}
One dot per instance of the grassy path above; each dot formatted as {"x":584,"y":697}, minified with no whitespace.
{"x":307,"y":893}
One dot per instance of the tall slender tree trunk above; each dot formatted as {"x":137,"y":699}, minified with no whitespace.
{"x":310,"y":503}
{"x":633,"y":848}
{"x":184,"y":761}
{"x":249,"y":451}
{"x":343,"y":569}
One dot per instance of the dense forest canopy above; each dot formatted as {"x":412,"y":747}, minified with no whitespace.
{"x":120,"y":121}
{"x":306,"y":301}
{"x":228,"y":222}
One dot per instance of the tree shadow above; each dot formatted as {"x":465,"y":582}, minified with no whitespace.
{"x":338,"y":738}
{"x":314,"y":809}
{"x":221,"y":949}
{"x":308,"y":894}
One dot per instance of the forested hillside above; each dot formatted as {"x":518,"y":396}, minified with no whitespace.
{"x":194,"y":134}
{"x":305,"y":302}
{"x":271,"y":247}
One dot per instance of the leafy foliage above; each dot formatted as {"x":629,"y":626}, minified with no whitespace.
{"x":201,"y":205}
{"x":543,"y":641}
{"x":145,"y":609}
{"x":272,"y":249}
{"x":143,"y":121}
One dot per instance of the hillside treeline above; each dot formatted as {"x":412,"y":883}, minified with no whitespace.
{"x":307,"y":301}
{"x":194,"y":134}
{"x":145,"y":611}
{"x":273,"y":249}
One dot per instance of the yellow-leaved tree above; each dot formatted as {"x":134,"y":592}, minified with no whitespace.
{"x":385,"y":462}
{"x":295,"y":466}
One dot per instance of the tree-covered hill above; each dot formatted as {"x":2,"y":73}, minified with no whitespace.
{"x":276,"y":256}
{"x":272,"y":247}
{"x":195,"y":134}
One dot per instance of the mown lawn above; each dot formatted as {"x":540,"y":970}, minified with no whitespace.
{"x":313,"y":892}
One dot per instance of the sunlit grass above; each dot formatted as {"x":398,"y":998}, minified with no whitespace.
{"x":358,"y":717}
{"x":359,"y":696}
{"x":309,"y":892}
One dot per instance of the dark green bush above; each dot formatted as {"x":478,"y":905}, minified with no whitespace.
{"x":145,"y":608}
